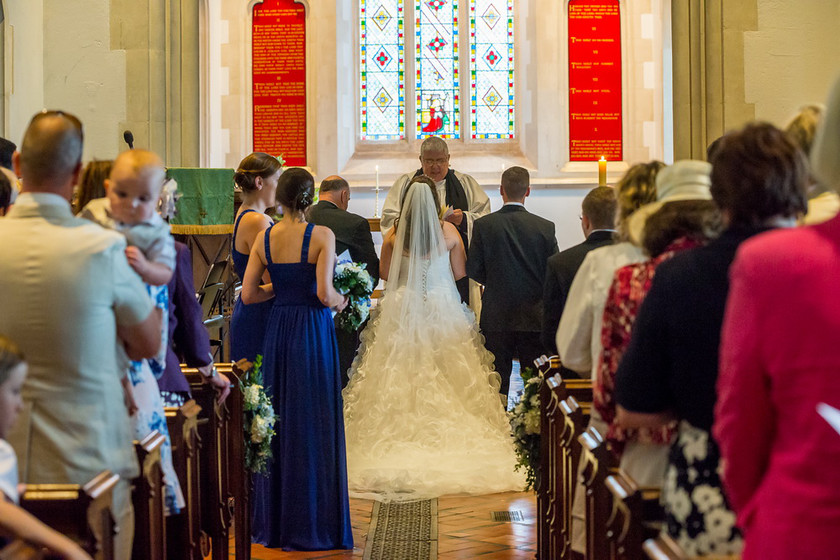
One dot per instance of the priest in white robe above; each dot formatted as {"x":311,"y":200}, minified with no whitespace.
{"x":456,"y":190}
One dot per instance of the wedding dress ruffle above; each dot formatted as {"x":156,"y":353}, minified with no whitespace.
{"x":423,"y":417}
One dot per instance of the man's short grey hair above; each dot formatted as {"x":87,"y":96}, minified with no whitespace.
{"x":331,"y":185}
{"x":51,"y":148}
{"x":433,"y":144}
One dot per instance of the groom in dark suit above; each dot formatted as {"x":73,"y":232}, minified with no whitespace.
{"x":352,"y":233}
{"x":508,"y":254}
{"x":597,"y":220}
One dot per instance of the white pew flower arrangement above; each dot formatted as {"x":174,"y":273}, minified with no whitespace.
{"x":525,"y":424}
{"x":259,"y":419}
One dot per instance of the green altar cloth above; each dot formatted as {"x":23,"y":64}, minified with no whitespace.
{"x":206,"y":202}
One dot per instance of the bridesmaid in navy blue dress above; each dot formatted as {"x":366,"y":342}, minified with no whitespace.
{"x":257,"y":176}
{"x":302,"y":504}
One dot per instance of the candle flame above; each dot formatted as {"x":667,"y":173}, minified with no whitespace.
{"x":602,"y":159}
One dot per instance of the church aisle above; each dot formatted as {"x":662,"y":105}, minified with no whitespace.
{"x":466,"y":529}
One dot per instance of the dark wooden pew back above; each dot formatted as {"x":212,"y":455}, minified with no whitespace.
{"x":147,"y":497}
{"x":68,"y":508}
{"x":598,"y":463}
{"x":184,"y":535}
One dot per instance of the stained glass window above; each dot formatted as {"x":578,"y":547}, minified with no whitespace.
{"x":491,"y":68}
{"x":437,"y":86}
{"x":433,"y":36}
{"x":382,"y":70}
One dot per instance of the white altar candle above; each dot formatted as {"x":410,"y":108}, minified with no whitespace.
{"x":376,"y":205}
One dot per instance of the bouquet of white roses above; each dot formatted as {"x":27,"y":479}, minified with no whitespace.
{"x":352,"y":280}
{"x":525,"y":423}
{"x":259,"y":419}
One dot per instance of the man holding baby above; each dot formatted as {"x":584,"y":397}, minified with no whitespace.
{"x":69,"y":298}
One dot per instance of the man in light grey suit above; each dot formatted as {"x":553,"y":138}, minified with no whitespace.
{"x":69,"y":297}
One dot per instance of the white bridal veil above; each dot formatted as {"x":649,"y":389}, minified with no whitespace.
{"x":422,"y":411}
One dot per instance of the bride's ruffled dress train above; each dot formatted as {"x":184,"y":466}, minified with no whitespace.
{"x":423,"y":417}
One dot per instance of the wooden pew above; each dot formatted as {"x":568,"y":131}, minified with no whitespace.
{"x":598,"y":463}
{"x":542,"y":364}
{"x":147,"y":497}
{"x":574,"y":424}
{"x":548,"y":493}
{"x":225,"y":483}
{"x":218,"y":500}
{"x":67,"y":508}
{"x":240,"y":477}
{"x":184,"y":536}
{"x":636,"y":515}
{"x":664,"y":547}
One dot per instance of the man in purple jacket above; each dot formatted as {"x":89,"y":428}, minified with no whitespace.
{"x":188,"y":339}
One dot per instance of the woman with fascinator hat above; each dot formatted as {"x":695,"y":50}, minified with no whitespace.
{"x":422,"y":411}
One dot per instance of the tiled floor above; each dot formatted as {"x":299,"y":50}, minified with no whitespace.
{"x":465,"y":530}
{"x":465,"y":525}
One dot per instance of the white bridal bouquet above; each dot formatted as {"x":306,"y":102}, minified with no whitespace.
{"x":352,"y":280}
{"x":259,"y":419}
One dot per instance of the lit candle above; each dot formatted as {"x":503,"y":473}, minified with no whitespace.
{"x":602,"y":172}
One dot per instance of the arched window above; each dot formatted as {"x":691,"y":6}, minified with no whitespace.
{"x":434,"y":102}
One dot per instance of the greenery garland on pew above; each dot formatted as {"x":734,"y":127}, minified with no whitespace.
{"x":525,"y":424}
{"x":259,"y":419}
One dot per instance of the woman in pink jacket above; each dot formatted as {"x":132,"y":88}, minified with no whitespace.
{"x":779,"y":362}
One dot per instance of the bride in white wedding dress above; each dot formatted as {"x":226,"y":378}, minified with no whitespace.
{"x":422,"y":412}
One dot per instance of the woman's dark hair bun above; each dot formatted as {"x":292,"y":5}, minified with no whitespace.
{"x":257,"y":164}
{"x":296,"y":189}
{"x":246,"y":180}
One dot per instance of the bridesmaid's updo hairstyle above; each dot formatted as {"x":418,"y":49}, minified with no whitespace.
{"x":255,"y":165}
{"x":296,"y":189}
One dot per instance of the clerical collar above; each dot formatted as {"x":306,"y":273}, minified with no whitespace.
{"x":514,"y":204}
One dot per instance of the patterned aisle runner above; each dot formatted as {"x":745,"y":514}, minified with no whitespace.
{"x":403,"y":531}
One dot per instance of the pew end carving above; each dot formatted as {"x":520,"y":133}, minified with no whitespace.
{"x":184,"y":536}
{"x":73,"y":509}
{"x":148,"y":499}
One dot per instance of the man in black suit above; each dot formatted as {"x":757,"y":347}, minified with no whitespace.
{"x":597,"y":220}
{"x":508,"y":254}
{"x":352,"y":233}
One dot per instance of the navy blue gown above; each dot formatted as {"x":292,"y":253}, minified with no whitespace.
{"x":248,"y":322}
{"x":302,"y":504}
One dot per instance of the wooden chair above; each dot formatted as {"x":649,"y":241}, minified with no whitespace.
{"x":573,"y":426}
{"x":217,"y":499}
{"x":184,"y":536}
{"x":598,"y":463}
{"x":148,"y":499}
{"x":69,"y":508}
{"x":636,"y":515}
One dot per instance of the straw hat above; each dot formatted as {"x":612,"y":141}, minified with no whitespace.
{"x":684,"y":180}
